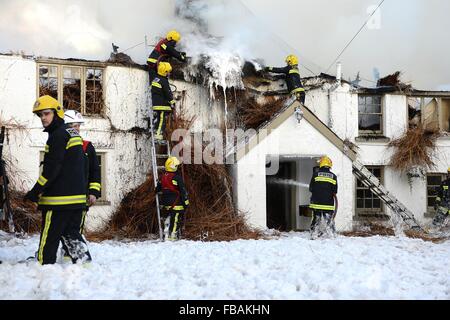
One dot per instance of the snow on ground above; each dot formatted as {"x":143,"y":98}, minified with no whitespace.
{"x":290,"y":267}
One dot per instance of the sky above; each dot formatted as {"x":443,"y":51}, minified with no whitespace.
{"x":404,"y":35}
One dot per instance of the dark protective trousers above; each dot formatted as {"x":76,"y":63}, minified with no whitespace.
{"x":65,"y":248}
{"x":176,"y":220}
{"x":57,"y":225}
{"x":322,"y":215}
{"x":159,"y":123}
{"x":301,"y":97}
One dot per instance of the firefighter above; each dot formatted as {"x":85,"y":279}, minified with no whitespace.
{"x":292,"y":76}
{"x":163,"y":50}
{"x":442,"y":205}
{"x":162,"y":100}
{"x":61,"y":189}
{"x":74,"y":119}
{"x":323,"y":187}
{"x":174,"y":198}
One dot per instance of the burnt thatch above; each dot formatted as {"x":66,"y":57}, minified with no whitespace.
{"x":211,"y":215}
{"x":414,"y":149}
{"x":393,"y":81}
{"x":377,"y":229}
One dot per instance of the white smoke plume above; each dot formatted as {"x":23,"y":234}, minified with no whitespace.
{"x":217,"y":45}
{"x":53,"y":27}
{"x":411,"y":36}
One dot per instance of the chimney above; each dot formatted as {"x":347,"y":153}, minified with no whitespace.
{"x":339,"y":73}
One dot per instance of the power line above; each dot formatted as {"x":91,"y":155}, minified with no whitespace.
{"x":359,"y":31}
{"x":279,"y":39}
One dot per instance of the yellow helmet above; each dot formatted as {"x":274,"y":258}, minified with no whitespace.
{"x":47,"y":102}
{"x":164,"y":68}
{"x":448,"y":170}
{"x":291,"y":60}
{"x":172,"y":164}
{"x":325,"y":162}
{"x":173,"y":35}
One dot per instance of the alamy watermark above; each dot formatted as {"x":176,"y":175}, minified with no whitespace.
{"x":212,"y":146}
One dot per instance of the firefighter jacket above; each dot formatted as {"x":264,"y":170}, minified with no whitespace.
{"x":323,"y":187}
{"x":443,"y":194}
{"x":162,"y":97}
{"x":162,"y":51}
{"x":293,"y":80}
{"x":62,"y":185}
{"x":174,"y":194}
{"x":94,"y":175}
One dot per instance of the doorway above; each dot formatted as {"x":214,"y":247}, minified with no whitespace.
{"x":281,"y":198}
{"x":288,"y":196}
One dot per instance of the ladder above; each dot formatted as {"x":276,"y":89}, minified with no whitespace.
{"x":372,"y":182}
{"x":156,"y":168}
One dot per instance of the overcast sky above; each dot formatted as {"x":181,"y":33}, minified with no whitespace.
{"x":411,"y":36}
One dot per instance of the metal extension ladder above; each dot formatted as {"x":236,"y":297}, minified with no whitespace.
{"x":372,"y":182}
{"x":156,"y":169}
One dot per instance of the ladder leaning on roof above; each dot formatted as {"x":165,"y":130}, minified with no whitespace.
{"x":156,"y":168}
{"x":372,"y":182}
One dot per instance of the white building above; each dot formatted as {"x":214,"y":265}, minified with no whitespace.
{"x":115,"y":100}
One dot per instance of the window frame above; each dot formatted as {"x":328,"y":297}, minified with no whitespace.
{"x":381,"y":114}
{"x":84,"y":66}
{"x":103,"y":198}
{"x":372,"y":211}
{"x":443,"y":176}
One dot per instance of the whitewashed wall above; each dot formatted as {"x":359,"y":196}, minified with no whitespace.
{"x":127,"y":155}
{"x":296,"y":140}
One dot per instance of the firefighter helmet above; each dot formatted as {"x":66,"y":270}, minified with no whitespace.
{"x":173,"y":35}
{"x":325,"y":162}
{"x":73,"y":116}
{"x":46,"y":103}
{"x":172,"y":164}
{"x":292,"y":60}
{"x":164,"y":68}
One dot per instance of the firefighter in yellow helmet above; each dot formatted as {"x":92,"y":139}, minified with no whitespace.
{"x":163,"y":50}
{"x":60,"y":191}
{"x":442,"y":205}
{"x":292,"y":77}
{"x":324,"y":188}
{"x":162,"y":100}
{"x":174,"y":198}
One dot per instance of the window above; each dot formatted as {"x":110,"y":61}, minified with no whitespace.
{"x":72,"y":88}
{"x":432,"y":112}
{"x":76,"y":87}
{"x":102,"y":162}
{"x":48,"y":81}
{"x":370,"y":115}
{"x":366,"y":201}
{"x":433,"y":182}
{"x":94,"y":90}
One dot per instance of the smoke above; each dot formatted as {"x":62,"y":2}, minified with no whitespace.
{"x":218,"y":39}
{"x":51,"y":27}
{"x":411,"y":36}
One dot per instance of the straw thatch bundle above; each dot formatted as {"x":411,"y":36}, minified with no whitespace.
{"x":414,"y":149}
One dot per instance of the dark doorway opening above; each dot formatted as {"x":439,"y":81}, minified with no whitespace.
{"x":281,"y":198}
